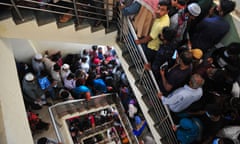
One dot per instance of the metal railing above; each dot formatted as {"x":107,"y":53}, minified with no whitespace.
{"x":103,"y":11}
{"x":147,"y":80}
{"x":63,"y":110}
{"x":126,"y":35}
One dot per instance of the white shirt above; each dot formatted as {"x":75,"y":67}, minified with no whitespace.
{"x":64,"y":73}
{"x":182,"y":98}
{"x":230,"y":132}
{"x":85,"y":66}
{"x":69,"y":84}
{"x":37,"y":66}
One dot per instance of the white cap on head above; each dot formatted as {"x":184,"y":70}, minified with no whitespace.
{"x":194,"y":9}
{"x":65,"y":66}
{"x":38,"y":56}
{"x":29,"y":77}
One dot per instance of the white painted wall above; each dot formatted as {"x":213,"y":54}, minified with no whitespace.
{"x":15,"y":122}
{"x":23,"y":49}
{"x":50,"y":32}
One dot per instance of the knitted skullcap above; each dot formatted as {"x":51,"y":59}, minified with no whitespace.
{"x":194,"y":9}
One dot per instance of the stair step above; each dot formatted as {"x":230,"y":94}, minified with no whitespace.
{"x":5,"y":13}
{"x":83,"y":24}
{"x":43,"y":18}
{"x":61,"y":25}
{"x":111,"y":28}
{"x":27,"y":15}
{"x":153,"y":115}
{"x":140,"y":87}
{"x":128,"y":58}
{"x":134,"y":72}
{"x":147,"y":101}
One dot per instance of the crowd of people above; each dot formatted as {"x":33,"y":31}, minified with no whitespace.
{"x":198,"y":80}
{"x":52,"y":78}
{"x":115,"y":132}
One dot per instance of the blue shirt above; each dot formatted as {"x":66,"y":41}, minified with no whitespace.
{"x":209,"y":32}
{"x":44,"y":82}
{"x":100,"y":85}
{"x":80,"y":90}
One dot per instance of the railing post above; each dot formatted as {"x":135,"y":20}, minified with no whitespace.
{"x":107,"y":14}
{"x":17,"y":10}
{"x":76,"y":12}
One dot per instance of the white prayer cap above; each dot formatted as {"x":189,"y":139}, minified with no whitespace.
{"x":194,"y":9}
{"x":38,"y":56}
{"x":65,"y":66}
{"x":29,"y":77}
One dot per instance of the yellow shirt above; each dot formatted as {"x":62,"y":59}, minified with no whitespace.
{"x":158,"y":25}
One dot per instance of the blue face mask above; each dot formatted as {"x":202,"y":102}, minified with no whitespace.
{"x":215,"y":141}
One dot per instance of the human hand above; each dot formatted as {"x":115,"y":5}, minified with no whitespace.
{"x":137,"y":42}
{"x":159,"y":95}
{"x":147,"y":66}
{"x":162,"y":72}
{"x":174,"y":128}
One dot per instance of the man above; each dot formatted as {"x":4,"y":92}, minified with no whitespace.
{"x":212,"y":29}
{"x":165,"y":52}
{"x":183,"y":97}
{"x":32,"y":90}
{"x":65,"y":71}
{"x":38,"y":64}
{"x":81,"y":91}
{"x":151,"y":42}
{"x":182,"y":19}
{"x":166,"y":49}
{"x":177,"y":75}
{"x":56,"y":76}
{"x":230,"y":132}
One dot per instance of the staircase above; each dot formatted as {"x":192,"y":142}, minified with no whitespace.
{"x":144,"y":86}
{"x":24,"y":22}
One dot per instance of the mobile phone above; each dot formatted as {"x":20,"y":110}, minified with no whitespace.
{"x":174,"y":56}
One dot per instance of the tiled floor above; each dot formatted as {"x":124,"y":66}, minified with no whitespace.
{"x":45,"y":116}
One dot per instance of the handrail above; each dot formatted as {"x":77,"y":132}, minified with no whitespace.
{"x":150,"y":71}
{"x":110,"y":98}
{"x":148,"y":80}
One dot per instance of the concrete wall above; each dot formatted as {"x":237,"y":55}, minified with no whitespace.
{"x":50,"y":32}
{"x":14,"y":128}
{"x":24,"y":49}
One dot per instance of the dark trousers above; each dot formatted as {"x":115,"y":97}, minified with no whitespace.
{"x":149,"y":53}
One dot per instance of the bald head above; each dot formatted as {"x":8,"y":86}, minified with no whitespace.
{"x":196,"y":81}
